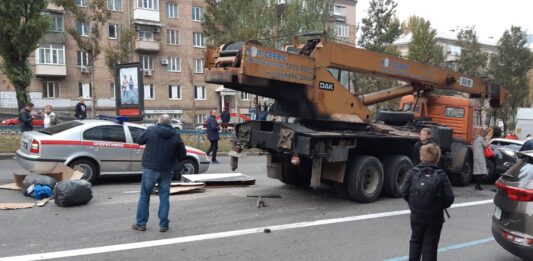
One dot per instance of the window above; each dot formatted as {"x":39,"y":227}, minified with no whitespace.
{"x":61,"y":127}
{"x":339,"y":10}
{"x":245,"y":96}
{"x":197,"y":14}
{"x":453,"y":50}
{"x":82,"y":28}
{"x":83,"y":3}
{"x":199,"y":93}
{"x":172,"y":10}
{"x":57,"y":23}
{"x":148,"y":4}
{"x":477,"y":118}
{"x":174,"y":64}
{"x":341,"y":30}
{"x":114,"y":5}
{"x":198,"y":39}
{"x":112,"y":31}
{"x":82,"y":59}
{"x":146,"y":62}
{"x":149,"y":93}
{"x":454,"y":112}
{"x":146,"y":35}
{"x":200,"y":118}
{"x":198,"y":65}
{"x":174,"y":92}
{"x":112,"y":90}
{"x":173,"y":37}
{"x":135,"y":133}
{"x":51,"y":54}
{"x":84,"y":90}
{"x":105,"y":133}
{"x":50,"y":89}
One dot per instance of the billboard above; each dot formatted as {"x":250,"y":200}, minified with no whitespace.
{"x":129,"y":91}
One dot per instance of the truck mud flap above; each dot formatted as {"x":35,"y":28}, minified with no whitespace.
{"x":285,"y":138}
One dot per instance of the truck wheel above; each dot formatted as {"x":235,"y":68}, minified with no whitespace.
{"x":364,"y":179}
{"x":299,"y":176}
{"x":492,"y":176}
{"x":463,"y":178}
{"x":395,"y":168}
{"x":87,"y":167}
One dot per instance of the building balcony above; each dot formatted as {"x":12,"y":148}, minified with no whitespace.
{"x":55,"y":8}
{"x":146,"y":15}
{"x":147,"y":46}
{"x":50,"y":70}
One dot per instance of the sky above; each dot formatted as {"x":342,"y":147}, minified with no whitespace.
{"x":491,"y":18}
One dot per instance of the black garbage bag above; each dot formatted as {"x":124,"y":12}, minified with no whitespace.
{"x":36,"y":179}
{"x":72,"y":193}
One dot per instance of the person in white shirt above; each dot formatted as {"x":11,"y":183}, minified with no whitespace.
{"x":50,"y":118}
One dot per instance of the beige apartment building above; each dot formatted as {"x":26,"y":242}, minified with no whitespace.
{"x":169,"y":45}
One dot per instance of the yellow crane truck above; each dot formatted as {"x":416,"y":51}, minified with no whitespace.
{"x":333,"y":139}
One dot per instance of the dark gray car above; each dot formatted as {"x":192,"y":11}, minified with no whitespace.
{"x":512,"y":222}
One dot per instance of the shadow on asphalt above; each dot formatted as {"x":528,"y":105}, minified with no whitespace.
{"x":117,"y":179}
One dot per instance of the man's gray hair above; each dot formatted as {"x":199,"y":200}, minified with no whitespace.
{"x":164,"y":119}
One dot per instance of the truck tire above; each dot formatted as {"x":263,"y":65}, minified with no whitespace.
{"x":364,"y":179}
{"x":395,"y":168}
{"x":492,"y":176}
{"x":395,"y":117}
{"x":463,"y":178}
{"x":299,"y":176}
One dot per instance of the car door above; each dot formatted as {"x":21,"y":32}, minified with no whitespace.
{"x":136,"y":152}
{"x":108,"y":144}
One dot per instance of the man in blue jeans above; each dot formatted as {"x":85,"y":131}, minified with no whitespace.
{"x":163,"y":148}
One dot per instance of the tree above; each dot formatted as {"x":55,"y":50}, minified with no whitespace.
{"x":266,"y":21}
{"x":423,"y":46}
{"x":510,"y":67}
{"x":21,"y":27}
{"x":412,"y":22}
{"x":92,"y":17}
{"x":122,"y":53}
{"x":472,"y":60}
{"x":381,"y":27}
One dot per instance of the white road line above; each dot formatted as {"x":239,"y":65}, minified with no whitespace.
{"x":178,"y":240}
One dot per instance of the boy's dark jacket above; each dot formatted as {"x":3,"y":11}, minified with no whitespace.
{"x":436,"y":215}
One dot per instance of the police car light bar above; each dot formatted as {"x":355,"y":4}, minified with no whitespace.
{"x":119,"y":119}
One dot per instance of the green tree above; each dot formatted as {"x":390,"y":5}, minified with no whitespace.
{"x":21,"y":27}
{"x":423,"y":46}
{"x":381,"y":27}
{"x":121,"y":53}
{"x":94,"y":16}
{"x":412,"y":22}
{"x":472,"y":60}
{"x":510,"y":67}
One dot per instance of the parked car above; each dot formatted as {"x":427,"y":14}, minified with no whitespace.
{"x":176,"y":124}
{"x":37,"y":121}
{"x":504,"y":153}
{"x":95,"y":147}
{"x":225,"y":126}
{"x":513,"y":215}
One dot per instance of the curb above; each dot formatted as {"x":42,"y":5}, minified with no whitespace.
{"x":6,"y":156}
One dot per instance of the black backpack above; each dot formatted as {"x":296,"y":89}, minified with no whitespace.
{"x":425,"y":192}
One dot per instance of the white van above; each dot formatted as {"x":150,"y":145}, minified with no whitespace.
{"x":524,"y":122}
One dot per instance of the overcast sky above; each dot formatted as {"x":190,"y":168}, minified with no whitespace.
{"x":491,"y":18}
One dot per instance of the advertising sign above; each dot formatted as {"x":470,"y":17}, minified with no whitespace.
{"x":129,"y":91}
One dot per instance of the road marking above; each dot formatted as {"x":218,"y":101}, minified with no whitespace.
{"x":449,"y":248}
{"x":187,"y":239}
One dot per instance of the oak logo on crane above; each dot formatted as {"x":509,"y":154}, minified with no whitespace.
{"x":328,"y":86}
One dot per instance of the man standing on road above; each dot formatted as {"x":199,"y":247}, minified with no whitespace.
{"x":25,"y":118}
{"x":213,"y":136}
{"x":163,"y":148}
{"x":429,"y":193}
{"x":81,"y":110}
{"x":425,"y":138}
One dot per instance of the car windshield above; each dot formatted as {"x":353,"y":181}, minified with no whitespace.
{"x":522,"y":170}
{"x":60,"y":127}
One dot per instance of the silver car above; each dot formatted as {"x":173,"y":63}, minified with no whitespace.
{"x":95,"y":147}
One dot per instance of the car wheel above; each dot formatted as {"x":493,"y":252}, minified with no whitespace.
{"x":87,"y":167}
{"x":189,"y":167}
{"x":492,"y":176}
{"x":364,"y":179}
{"x":395,"y":168}
{"x":463,"y":178}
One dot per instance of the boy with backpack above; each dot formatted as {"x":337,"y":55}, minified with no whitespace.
{"x":429,"y":193}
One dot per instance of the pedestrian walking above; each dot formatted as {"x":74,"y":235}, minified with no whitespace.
{"x":164,"y":150}
{"x":25,"y":118}
{"x":213,"y":136}
{"x":480,"y":164}
{"x":81,"y":110}
{"x":50,"y":118}
{"x":225,"y":115}
{"x":425,"y":137}
{"x":429,"y":193}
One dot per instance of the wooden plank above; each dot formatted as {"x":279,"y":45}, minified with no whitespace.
{"x":10,"y":206}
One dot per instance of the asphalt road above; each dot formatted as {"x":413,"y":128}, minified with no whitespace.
{"x":223,"y":224}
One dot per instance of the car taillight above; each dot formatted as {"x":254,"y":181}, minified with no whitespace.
{"x":516,"y":194}
{"x":518,"y":239}
{"x":34,"y":146}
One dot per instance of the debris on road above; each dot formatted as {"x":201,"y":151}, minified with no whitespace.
{"x":182,"y":188}
{"x":220,"y":179}
{"x":73,"y":193}
{"x":11,"y":206}
{"x":260,"y":201}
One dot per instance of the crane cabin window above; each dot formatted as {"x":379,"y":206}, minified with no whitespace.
{"x":454,"y":112}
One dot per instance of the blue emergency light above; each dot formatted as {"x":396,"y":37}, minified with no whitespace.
{"x":119,"y":119}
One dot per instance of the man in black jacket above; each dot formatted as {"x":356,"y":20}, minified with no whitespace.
{"x":25,"y":118}
{"x":163,"y":148}
{"x":425,"y":138}
{"x":213,"y":136}
{"x":429,"y":192}
{"x":81,"y":110}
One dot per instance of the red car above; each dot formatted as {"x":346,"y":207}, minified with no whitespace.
{"x":37,"y":121}
{"x":233,"y":115}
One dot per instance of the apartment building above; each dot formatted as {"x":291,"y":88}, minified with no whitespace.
{"x":169,"y":45}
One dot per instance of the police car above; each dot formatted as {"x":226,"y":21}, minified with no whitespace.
{"x":95,"y":147}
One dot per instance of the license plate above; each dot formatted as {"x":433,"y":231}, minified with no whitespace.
{"x":498,"y":213}
{"x":25,"y":145}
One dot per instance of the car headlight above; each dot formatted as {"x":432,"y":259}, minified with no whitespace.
{"x":4,"y":122}
{"x":508,"y":152}
{"x":206,"y":157}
